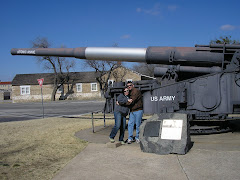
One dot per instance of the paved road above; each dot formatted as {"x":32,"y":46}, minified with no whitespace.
{"x":26,"y":111}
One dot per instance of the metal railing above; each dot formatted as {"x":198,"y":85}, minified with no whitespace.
{"x":104,"y":119}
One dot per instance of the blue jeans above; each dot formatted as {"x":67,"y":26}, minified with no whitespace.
{"x":134,"y":118}
{"x":120,"y":123}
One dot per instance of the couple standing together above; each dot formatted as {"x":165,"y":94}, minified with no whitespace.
{"x":131,"y":98}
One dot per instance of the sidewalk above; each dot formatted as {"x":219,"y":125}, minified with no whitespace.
{"x":211,"y":157}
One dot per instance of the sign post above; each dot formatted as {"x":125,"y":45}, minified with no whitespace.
{"x":40,"y":82}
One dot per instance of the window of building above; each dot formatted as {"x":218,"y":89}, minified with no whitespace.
{"x":24,"y":90}
{"x":60,"y":89}
{"x":128,"y":80}
{"x":110,"y":83}
{"x":79,"y":87}
{"x":93,"y":86}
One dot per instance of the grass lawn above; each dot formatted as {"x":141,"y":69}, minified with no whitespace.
{"x":38,"y":149}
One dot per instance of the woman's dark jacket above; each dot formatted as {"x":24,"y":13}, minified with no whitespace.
{"x":122,"y":107}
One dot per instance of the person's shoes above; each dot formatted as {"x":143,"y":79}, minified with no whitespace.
{"x":137,"y":141}
{"x":111,"y":140}
{"x":129,"y":141}
{"x":122,"y":142}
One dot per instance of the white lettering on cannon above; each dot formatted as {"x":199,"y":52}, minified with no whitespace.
{"x":21,"y":52}
{"x":31,"y":52}
{"x":26,"y":52}
{"x":163,"y":98}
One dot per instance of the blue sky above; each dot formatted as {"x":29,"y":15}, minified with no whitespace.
{"x":96,"y":23}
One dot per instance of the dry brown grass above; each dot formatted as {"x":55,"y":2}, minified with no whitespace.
{"x":37,"y":149}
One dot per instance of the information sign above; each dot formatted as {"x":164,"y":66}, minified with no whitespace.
{"x":172,"y":129}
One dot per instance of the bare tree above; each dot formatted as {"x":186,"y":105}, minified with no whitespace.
{"x":144,"y":68}
{"x":58,"y":65}
{"x":103,"y":70}
{"x":119,"y":76}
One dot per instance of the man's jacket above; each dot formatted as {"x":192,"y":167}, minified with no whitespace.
{"x":137,"y":103}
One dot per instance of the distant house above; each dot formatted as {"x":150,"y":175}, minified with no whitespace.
{"x":5,"y":90}
{"x":81,"y":85}
{"x":6,"y":85}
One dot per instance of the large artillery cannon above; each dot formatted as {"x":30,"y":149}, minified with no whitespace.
{"x":213,"y":55}
{"x":202,"y":81}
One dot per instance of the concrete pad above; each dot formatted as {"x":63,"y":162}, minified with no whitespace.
{"x":113,"y":145}
{"x":101,"y":134}
{"x":210,"y":164}
{"x":126,"y":162}
{"x":211,"y":157}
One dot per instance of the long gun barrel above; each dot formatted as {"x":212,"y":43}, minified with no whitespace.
{"x":160,"y":71}
{"x":89,"y":53}
{"x":151,"y":55}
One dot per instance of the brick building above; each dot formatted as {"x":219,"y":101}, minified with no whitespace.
{"x":81,"y":85}
{"x":5,"y":90}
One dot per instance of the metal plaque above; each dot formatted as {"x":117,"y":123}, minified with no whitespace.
{"x":172,"y":129}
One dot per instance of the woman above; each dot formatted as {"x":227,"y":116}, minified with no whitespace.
{"x":120,"y":113}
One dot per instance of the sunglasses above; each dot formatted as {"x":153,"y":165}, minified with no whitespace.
{"x":125,"y":91}
{"x":129,"y":85}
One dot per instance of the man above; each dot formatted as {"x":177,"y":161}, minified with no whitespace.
{"x":136,"y":112}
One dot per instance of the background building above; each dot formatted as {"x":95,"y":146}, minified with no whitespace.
{"x":5,"y":90}
{"x":81,"y":85}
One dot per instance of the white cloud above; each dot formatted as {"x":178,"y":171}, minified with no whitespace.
{"x":126,"y":36}
{"x":138,"y":9}
{"x":153,"y":11}
{"x":172,"y":7}
{"x":156,"y":9}
{"x":227,"y":27}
